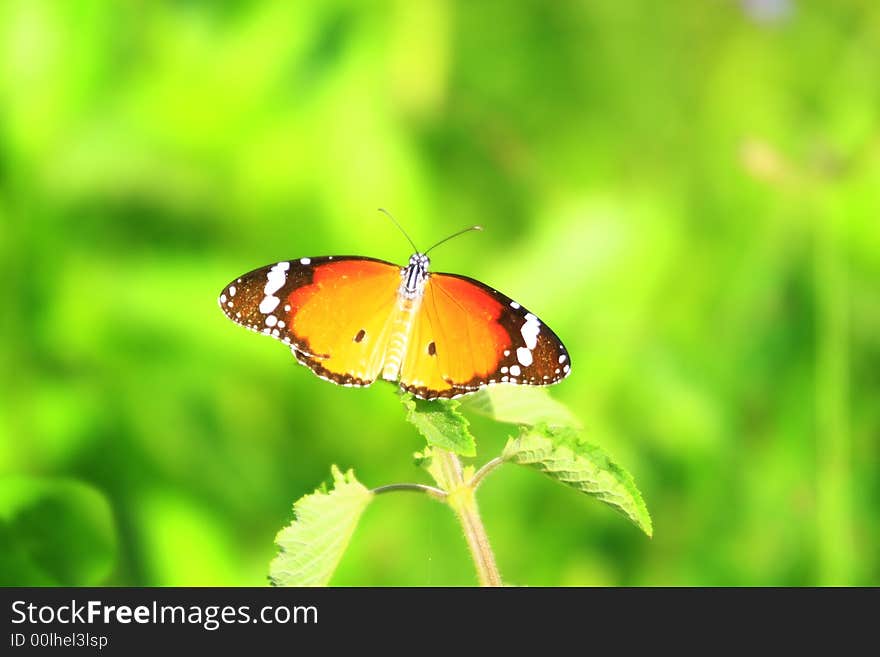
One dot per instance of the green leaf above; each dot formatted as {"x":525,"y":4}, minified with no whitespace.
{"x":441,"y":424}
{"x":54,"y":532}
{"x":562,"y":454}
{"x":434,"y":466}
{"x":520,"y":405}
{"x":313,"y":544}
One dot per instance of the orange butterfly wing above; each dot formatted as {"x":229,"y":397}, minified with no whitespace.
{"x":342,"y":317}
{"x":467,"y":335}
{"x":333,"y":311}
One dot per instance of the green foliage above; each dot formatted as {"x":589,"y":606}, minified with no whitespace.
{"x":426,"y":459}
{"x":54,"y":533}
{"x":549,"y":442}
{"x":552,"y":443}
{"x":440,"y":423}
{"x":563,"y":455}
{"x":312,"y":545}
{"x":520,"y":405}
{"x":701,"y":231}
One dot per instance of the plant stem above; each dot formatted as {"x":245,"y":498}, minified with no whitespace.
{"x":415,"y":488}
{"x":477,"y":479}
{"x":460,"y":496}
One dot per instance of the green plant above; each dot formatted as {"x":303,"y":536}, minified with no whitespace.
{"x":549,"y":440}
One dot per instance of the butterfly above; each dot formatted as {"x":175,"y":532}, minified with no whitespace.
{"x":353,"y":320}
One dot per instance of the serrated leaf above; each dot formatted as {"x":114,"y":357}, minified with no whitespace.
{"x":312,"y":545}
{"x":565,"y":456}
{"x":441,"y":424}
{"x":520,"y":405}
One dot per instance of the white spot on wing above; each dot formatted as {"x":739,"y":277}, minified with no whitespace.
{"x":514,"y":370}
{"x":305,"y":261}
{"x":232,"y":290}
{"x":562,"y":358}
{"x":514,"y":305}
{"x":268,"y":304}
{"x":524,"y":356}
{"x":222,"y":298}
{"x":530,"y":331}
{"x":271,"y":320}
{"x":276,"y":278}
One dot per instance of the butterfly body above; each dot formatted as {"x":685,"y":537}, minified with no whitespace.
{"x":353,"y":320}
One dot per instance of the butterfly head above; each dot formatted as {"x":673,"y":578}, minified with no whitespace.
{"x":420,"y":261}
{"x":415,"y":274}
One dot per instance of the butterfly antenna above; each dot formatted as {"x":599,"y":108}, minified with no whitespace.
{"x":461,"y":232}
{"x":400,"y":228}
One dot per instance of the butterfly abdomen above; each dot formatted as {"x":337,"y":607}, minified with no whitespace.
{"x":409,"y":300}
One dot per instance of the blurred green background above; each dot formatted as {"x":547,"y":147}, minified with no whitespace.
{"x":686,"y":192}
